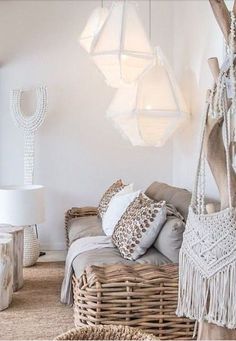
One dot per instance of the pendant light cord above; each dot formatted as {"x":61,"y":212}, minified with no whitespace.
{"x":150,"y":20}
{"x":102,"y":4}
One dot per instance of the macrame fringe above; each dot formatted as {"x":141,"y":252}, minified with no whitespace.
{"x":212,"y":299}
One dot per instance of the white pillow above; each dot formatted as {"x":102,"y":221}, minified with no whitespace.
{"x":127,"y":189}
{"x":115,"y":210}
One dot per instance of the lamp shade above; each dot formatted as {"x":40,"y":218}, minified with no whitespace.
{"x":122,"y":50}
{"x":21,"y":205}
{"x":92,"y":28}
{"x":149,"y":111}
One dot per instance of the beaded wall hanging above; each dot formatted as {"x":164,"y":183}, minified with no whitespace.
{"x":29,"y":124}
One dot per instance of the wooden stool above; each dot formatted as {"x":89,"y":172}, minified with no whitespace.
{"x":18,"y":250}
{"x":6,"y":270}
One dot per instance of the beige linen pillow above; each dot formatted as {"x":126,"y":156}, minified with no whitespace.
{"x":170,"y":238}
{"x":139,"y":226}
{"x":108,"y":195}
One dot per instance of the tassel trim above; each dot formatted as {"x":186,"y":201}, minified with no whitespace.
{"x":212,"y":299}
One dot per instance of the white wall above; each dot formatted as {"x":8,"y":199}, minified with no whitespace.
{"x":197,"y":37}
{"x":78,"y":152}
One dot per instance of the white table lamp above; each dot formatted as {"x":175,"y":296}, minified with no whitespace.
{"x":24,"y":206}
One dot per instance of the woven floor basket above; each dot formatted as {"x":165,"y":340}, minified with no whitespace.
{"x":107,"y":333}
{"x":141,"y":296}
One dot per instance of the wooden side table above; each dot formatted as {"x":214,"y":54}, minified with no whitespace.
{"x":18,"y":251}
{"x":6,"y":270}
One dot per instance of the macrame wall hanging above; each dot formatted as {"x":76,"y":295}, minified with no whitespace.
{"x":207,"y":278}
{"x":29,"y":125}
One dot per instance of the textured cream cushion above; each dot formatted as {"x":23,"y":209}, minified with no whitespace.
{"x":139,"y":226}
{"x":108,"y":195}
{"x":116,"y":208}
{"x":109,"y":255}
{"x":89,"y":226}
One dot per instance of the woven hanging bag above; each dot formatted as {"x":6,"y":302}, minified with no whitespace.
{"x":207,"y":263}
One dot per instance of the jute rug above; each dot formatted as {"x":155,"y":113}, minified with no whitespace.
{"x":36,"y":312}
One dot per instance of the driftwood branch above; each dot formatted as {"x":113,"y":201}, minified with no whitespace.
{"x":234,"y":7}
{"x":215,"y":149}
{"x":222,"y":16}
{"x":214,"y":67}
{"x":216,"y":156}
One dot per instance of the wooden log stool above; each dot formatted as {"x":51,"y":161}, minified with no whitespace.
{"x":6,"y":270}
{"x":18,"y":252}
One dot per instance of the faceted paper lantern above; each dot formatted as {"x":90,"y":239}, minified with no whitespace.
{"x":122,"y":50}
{"x":93,"y":26}
{"x":149,"y":111}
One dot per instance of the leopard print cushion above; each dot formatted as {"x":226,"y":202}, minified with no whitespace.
{"x":108,"y":195}
{"x":139,"y":226}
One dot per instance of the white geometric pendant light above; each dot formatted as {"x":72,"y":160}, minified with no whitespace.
{"x":122,"y":50}
{"x":149,"y":111}
{"x":92,"y":28}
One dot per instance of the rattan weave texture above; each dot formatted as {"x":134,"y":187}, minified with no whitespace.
{"x":76,"y":212}
{"x":143,"y":296}
{"x":107,"y":333}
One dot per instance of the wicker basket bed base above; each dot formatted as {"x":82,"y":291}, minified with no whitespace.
{"x":142,"y":296}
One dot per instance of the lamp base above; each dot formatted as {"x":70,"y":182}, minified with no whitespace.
{"x":31,"y":246}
